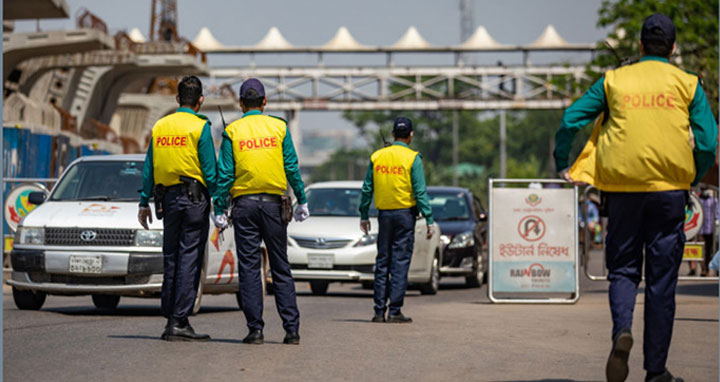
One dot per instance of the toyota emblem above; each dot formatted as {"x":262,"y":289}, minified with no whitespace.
{"x":88,"y":235}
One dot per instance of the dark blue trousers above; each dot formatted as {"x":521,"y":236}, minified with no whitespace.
{"x":396,"y":239}
{"x":649,"y":222}
{"x":254,"y":221}
{"x":185,"y":235}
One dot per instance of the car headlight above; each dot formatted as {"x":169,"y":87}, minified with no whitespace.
{"x":367,"y":240}
{"x":445,"y":239}
{"x":149,"y":238}
{"x":27,"y":235}
{"x":462,"y":240}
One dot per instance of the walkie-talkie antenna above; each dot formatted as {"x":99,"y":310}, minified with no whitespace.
{"x":221,"y":116}
{"x":385,"y":142}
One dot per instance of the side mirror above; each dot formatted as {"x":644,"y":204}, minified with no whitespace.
{"x":37,"y":197}
{"x":483,"y":216}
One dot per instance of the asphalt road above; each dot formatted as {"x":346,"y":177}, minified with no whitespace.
{"x":458,"y":335}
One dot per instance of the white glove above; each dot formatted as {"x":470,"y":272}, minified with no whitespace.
{"x":301,"y":212}
{"x":220,"y":221}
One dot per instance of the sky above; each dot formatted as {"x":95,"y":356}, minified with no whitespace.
{"x":371,"y":22}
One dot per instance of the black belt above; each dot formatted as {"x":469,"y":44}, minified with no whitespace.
{"x":267,"y":198}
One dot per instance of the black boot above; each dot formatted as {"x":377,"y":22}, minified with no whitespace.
{"x":255,"y":337}
{"x":398,"y":319}
{"x":616,"y":369}
{"x":292,"y":338}
{"x":663,"y":377}
{"x":182,"y":331}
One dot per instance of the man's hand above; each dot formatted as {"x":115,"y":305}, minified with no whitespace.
{"x":365,"y":226}
{"x":144,"y":213}
{"x":301,"y":212}
{"x":565,"y":174}
{"x":430,"y":230}
{"x":220,"y":221}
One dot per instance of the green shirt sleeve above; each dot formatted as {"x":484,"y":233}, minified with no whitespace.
{"x":225,"y":175}
{"x":148,"y":178}
{"x":206,"y":156}
{"x":705,"y":130}
{"x":292,"y":169}
{"x":367,"y":193}
{"x":417,"y":177}
{"x":577,"y":116}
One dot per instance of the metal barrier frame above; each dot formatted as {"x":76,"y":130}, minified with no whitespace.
{"x":586,"y":248}
{"x":574,"y":297}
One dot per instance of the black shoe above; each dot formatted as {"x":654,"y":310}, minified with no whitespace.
{"x":255,"y":337}
{"x":292,"y":338}
{"x":378,"y":318}
{"x":398,"y":319}
{"x":184,"y":333}
{"x":170,"y":323}
{"x":617,"y":369}
{"x":664,"y":377}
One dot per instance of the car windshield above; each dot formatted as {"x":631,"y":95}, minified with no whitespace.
{"x":336,"y":202}
{"x":449,"y":206}
{"x":102,"y":181}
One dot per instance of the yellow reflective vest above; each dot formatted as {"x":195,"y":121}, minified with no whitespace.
{"x":175,"y":148}
{"x":257,"y":142}
{"x":645,"y":144}
{"x":391,"y":177}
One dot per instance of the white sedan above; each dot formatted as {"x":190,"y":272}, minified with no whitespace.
{"x":329,"y":245}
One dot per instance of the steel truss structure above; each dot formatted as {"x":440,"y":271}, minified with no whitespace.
{"x":404,"y":88}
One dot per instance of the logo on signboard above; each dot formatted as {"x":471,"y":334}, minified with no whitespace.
{"x":531,"y":228}
{"x":17,"y":205}
{"x":533,"y":200}
{"x":534,"y":271}
{"x":693,"y":217}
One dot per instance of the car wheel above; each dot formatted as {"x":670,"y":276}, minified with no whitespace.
{"x":27,"y":299}
{"x":106,"y":301}
{"x":475,"y":280}
{"x":432,"y":286}
{"x":319,"y":288}
{"x":368,"y":285}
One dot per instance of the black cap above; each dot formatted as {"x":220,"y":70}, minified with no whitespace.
{"x":658,"y":28}
{"x":402,"y":127}
{"x":252,"y":84}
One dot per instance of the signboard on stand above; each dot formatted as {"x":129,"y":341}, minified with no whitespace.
{"x":533,"y":242}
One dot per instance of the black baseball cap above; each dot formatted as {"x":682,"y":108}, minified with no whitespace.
{"x":658,"y":28}
{"x":252,"y":84}
{"x":402,"y":127}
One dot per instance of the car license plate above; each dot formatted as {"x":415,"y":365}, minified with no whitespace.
{"x":320,"y":261}
{"x":85,"y":264}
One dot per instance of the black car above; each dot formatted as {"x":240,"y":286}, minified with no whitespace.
{"x":463,"y":224}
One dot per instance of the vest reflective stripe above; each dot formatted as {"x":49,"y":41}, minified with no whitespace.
{"x":392,"y":166}
{"x":645,"y":145}
{"x":175,"y":141}
{"x":257,"y":149}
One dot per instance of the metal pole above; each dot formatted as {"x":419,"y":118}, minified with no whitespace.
{"x":503,"y":151}
{"x":455,"y":144}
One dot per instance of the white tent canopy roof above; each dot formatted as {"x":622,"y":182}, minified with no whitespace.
{"x":136,"y":36}
{"x":343,"y":40}
{"x":206,"y":41}
{"x":273,"y":40}
{"x":411,"y":40}
{"x":481,"y":39}
{"x":549,"y":38}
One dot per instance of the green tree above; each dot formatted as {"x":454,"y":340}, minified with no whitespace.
{"x":696,"y":22}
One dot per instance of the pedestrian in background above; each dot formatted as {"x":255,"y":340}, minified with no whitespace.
{"x":710,"y":213}
{"x":257,"y":161}
{"x":395,"y":177}
{"x":658,"y":137}
{"x":180,"y":170}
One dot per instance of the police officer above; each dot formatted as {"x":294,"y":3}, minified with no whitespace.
{"x":257,"y":161}
{"x":395,"y":176}
{"x":658,"y":138}
{"x":180,"y":164}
